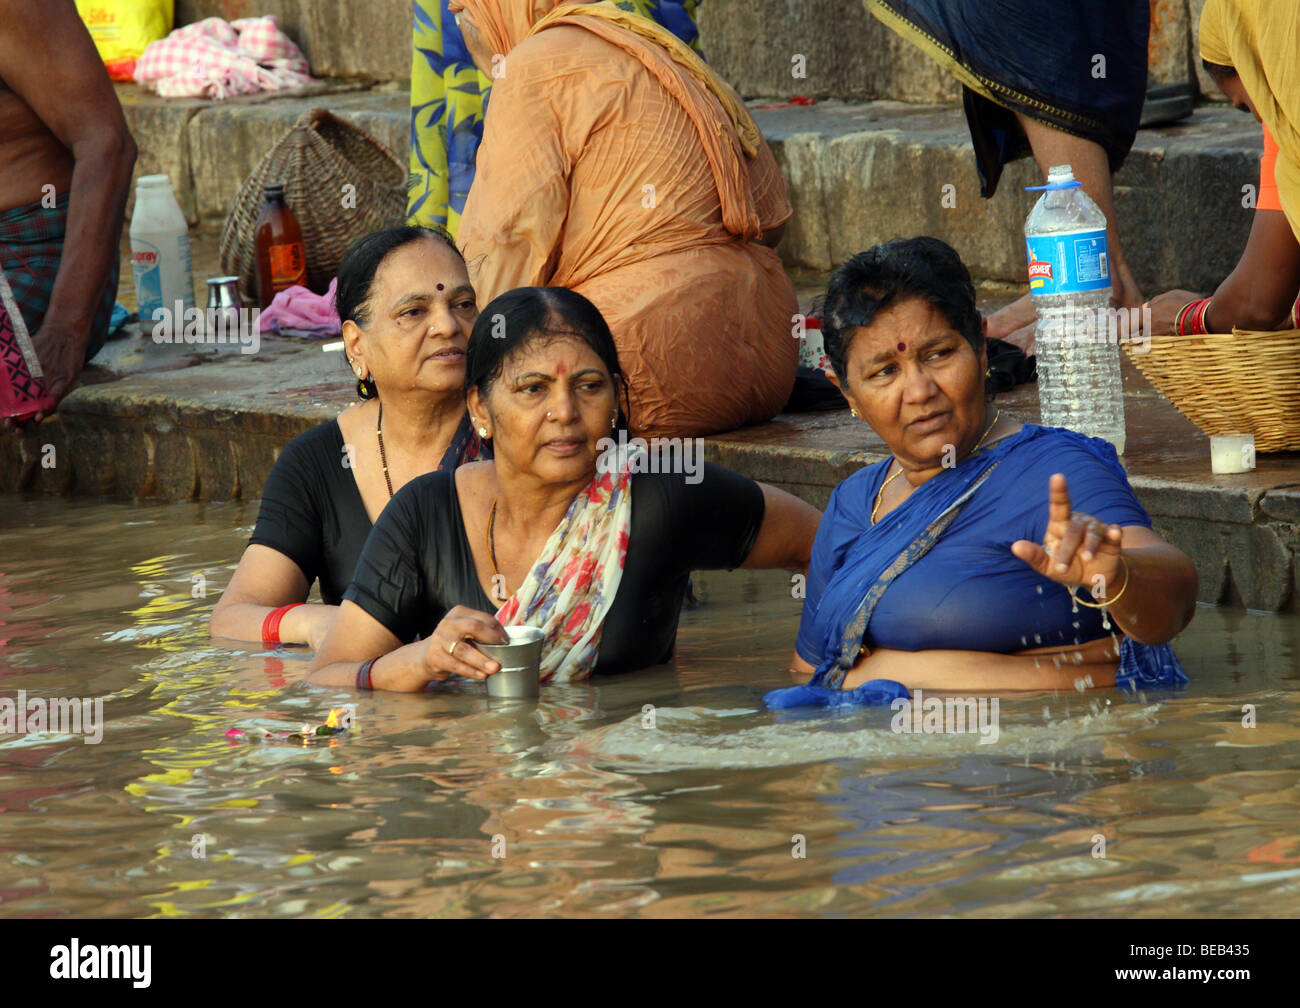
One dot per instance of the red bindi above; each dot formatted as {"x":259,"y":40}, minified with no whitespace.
{"x":902,"y":347}
{"x":561,"y":369}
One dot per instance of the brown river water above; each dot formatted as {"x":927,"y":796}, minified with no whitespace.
{"x":671,"y":792}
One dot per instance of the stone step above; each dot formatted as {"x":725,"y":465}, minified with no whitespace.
{"x":835,"y":49}
{"x":209,"y":148}
{"x":340,"y":38}
{"x":819,"y":48}
{"x":206,"y":423}
{"x":857,"y":174}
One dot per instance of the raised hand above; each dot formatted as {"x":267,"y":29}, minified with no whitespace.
{"x":1077,"y":549}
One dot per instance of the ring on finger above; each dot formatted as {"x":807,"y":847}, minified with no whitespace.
{"x":451,"y":648}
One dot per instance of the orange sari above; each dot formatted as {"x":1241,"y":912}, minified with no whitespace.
{"x":613,"y":166}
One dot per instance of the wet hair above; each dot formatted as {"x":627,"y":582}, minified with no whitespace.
{"x":517,"y":319}
{"x":904,"y":269}
{"x":357,"y":274}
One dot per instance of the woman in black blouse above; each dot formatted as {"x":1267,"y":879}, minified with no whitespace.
{"x":559,"y":531}
{"x":407,"y":308}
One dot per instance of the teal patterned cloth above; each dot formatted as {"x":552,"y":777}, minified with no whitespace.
{"x":449,"y":96}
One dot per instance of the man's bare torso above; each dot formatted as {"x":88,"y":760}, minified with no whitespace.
{"x":31,"y":157}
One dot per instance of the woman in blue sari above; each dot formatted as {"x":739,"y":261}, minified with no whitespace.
{"x":958,"y":562}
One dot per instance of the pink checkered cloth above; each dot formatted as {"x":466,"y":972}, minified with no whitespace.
{"x":213,"y":58}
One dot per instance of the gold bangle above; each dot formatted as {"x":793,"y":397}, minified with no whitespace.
{"x":1108,"y":602}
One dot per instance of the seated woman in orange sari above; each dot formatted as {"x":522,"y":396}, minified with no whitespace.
{"x":617,"y":164}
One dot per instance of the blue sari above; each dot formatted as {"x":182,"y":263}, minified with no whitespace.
{"x":1078,"y":67}
{"x":880,"y":553}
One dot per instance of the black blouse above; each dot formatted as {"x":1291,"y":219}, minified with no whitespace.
{"x":417,"y":563}
{"x":312,"y":510}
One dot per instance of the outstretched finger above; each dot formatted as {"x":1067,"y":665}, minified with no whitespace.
{"x":1034,"y":555}
{"x":1058,"y":500}
{"x":1072,"y":536}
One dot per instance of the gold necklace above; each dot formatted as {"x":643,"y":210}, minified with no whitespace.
{"x":492,"y":545}
{"x":383,"y":459}
{"x":880,"y":493}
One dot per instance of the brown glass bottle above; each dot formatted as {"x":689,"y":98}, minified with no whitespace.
{"x":280,"y":255}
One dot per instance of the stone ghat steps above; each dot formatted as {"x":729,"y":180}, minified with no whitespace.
{"x":196,"y":424}
{"x":819,"y":48}
{"x":857,"y":174}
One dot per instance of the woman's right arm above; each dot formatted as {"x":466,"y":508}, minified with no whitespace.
{"x":265,"y":580}
{"x":357,"y":637}
{"x":274,"y":570}
{"x":1259,"y":293}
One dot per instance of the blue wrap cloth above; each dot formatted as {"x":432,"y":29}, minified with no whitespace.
{"x":876,"y":693}
{"x":1148,"y":666}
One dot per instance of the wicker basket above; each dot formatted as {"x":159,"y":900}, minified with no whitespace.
{"x":316,"y":161}
{"x":1245,"y":383}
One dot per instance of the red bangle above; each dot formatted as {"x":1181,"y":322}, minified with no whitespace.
{"x":271,"y":625}
{"x":1191,"y":318}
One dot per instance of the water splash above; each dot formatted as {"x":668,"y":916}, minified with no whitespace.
{"x":700,"y":738}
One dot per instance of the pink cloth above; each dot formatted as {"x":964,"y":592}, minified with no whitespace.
{"x":215,"y":59}
{"x":300,"y":310}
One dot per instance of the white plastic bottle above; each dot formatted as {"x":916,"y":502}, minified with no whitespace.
{"x":160,"y":259}
{"x":1079,"y":384}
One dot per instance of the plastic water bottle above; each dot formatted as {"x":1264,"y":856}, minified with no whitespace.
{"x":160,"y":257}
{"x":1079,"y":384}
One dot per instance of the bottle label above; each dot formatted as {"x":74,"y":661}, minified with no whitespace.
{"x":1068,"y":262}
{"x":288,"y":266}
{"x":148,"y":277}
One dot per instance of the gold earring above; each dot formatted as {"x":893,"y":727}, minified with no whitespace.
{"x":613,"y":421}
{"x":855,"y":413}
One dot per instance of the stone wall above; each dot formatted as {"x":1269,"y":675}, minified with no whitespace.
{"x":760,"y":46}
{"x":342,"y":38}
{"x":852,"y":56}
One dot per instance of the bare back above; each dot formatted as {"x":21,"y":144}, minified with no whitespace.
{"x":30,"y":155}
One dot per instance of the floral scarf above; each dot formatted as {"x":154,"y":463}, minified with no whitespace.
{"x":573,"y":583}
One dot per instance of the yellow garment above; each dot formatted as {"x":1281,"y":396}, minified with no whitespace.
{"x":1260,"y":40}
{"x":609,"y":167}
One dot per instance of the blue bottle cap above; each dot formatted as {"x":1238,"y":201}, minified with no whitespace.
{"x":1072,"y":184}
